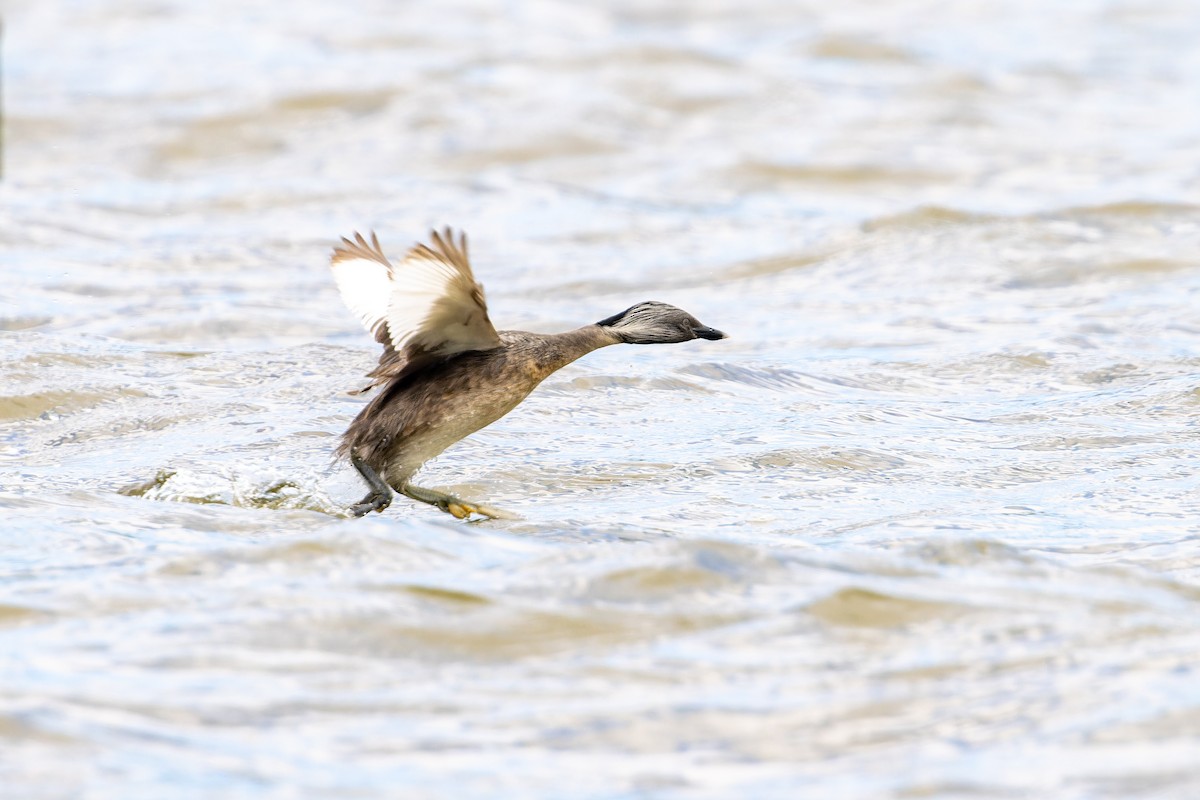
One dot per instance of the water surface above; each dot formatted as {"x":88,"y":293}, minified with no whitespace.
{"x":925,"y":525}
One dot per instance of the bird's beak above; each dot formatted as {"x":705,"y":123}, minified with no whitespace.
{"x":705,"y":332}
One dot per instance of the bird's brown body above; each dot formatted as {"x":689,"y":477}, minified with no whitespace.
{"x":415,"y":417}
{"x":445,"y":372}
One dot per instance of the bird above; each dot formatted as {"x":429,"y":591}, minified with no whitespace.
{"x":445,"y":372}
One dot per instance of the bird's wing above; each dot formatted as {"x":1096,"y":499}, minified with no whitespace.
{"x":436,"y":307}
{"x":427,"y":306}
{"x":364,"y":277}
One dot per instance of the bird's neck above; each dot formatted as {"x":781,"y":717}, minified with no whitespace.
{"x":559,"y":349}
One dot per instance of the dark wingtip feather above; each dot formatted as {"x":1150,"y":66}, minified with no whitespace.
{"x":359,"y":248}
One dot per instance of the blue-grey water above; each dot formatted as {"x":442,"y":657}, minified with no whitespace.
{"x":927,"y":525}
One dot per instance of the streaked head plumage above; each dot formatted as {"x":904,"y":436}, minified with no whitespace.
{"x":652,"y":322}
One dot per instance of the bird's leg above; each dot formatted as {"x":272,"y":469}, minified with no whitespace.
{"x":380,"y":496}
{"x":451,"y":504}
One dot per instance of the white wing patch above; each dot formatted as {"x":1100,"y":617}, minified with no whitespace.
{"x":429,"y":302}
{"x":363,"y":276}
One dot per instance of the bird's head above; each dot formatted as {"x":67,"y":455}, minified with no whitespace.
{"x":657,"y":323}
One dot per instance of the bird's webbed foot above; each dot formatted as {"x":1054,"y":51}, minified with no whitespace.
{"x":374,"y":501}
{"x":380,"y":496}
{"x":454,"y":506}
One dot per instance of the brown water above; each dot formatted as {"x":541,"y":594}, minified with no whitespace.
{"x":927,"y":524}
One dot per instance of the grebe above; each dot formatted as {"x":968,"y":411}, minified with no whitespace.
{"x":445,"y":372}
